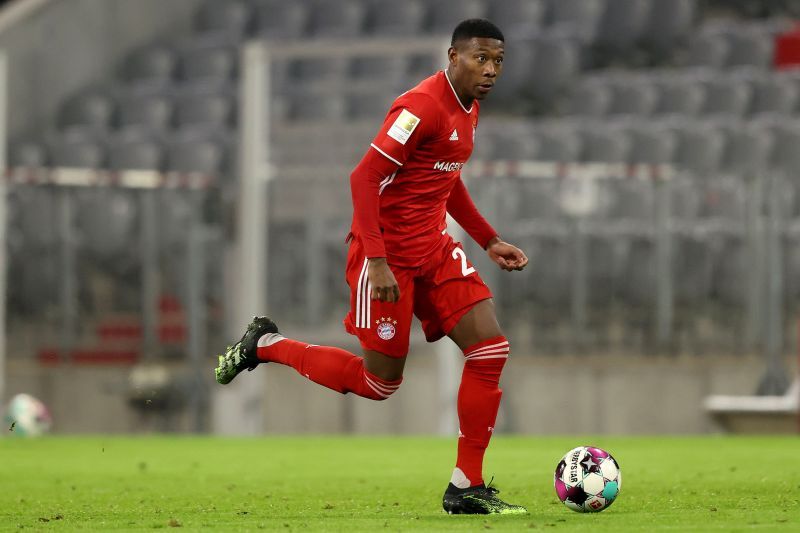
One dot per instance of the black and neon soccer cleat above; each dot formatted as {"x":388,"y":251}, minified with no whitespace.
{"x":242,"y":355}
{"x":477,"y":500}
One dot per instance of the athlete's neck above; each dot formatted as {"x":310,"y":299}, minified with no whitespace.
{"x":466,"y":101}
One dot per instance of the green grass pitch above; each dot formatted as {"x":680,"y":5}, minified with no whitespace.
{"x":385,"y":484}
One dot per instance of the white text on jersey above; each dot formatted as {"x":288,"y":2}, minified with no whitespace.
{"x":446,"y":166}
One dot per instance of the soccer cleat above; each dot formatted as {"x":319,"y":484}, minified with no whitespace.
{"x":243,"y":354}
{"x":477,"y":500}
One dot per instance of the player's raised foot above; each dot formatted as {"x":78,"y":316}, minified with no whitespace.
{"x":477,"y":500}
{"x":243,"y":354}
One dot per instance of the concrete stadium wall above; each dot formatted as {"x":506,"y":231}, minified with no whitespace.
{"x":543,"y":395}
{"x":56,"y":47}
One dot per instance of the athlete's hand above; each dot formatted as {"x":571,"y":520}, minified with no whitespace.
{"x":384,"y":284}
{"x":507,"y":256}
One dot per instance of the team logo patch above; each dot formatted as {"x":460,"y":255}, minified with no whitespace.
{"x":386,"y":328}
{"x":404,"y":125}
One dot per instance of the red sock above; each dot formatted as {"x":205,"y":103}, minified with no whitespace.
{"x":478,"y":402}
{"x":331,"y":367}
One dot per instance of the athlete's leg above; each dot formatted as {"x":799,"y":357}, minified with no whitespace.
{"x":478,"y":324}
{"x":486,"y":351}
{"x":384,"y":366}
{"x":382,"y":327}
{"x":370,"y":377}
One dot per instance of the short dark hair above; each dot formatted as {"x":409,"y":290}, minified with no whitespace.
{"x":480,"y":28}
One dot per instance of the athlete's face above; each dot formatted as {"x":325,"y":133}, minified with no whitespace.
{"x":475,"y":65}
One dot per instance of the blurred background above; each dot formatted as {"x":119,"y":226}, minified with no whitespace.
{"x":176,"y":166}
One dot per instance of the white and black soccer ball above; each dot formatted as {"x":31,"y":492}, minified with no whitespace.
{"x":26,"y":416}
{"x":587,"y":479}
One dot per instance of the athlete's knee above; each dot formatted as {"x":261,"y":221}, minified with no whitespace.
{"x":376,"y":388}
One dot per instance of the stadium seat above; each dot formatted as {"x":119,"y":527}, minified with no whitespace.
{"x":556,"y":64}
{"x":651,"y":144}
{"x":225,"y":18}
{"x":679,"y":96}
{"x":551,"y":280}
{"x":154,"y":64}
{"x":749,"y":47}
{"x":706,"y":49}
{"x":604,"y":260}
{"x":27,"y":154}
{"x":369,"y":105}
{"x":729,"y":285}
{"x":279,"y":19}
{"x":632,"y":200}
{"x":76,"y":148}
{"x":577,"y":18}
{"x":305,"y":106}
{"x":725,"y":198}
{"x":605,"y":145}
{"x":727,"y":97}
{"x":216,"y":63}
{"x":774,"y":94}
{"x":389,"y":18}
{"x":511,"y":145}
{"x":699,"y":148}
{"x":35,"y":212}
{"x":785,"y":154}
{"x":747,"y":150}
{"x":93,"y":108}
{"x":126,"y":153}
{"x":685,"y":200}
{"x":622,"y":25}
{"x":692,"y":271}
{"x":196,"y":155}
{"x":107,"y":219}
{"x":444,"y":15}
{"x":331,"y":70}
{"x":518,"y":19}
{"x":344,"y":18}
{"x":668,"y":26}
{"x":589,"y":99}
{"x":154,"y":113}
{"x":631,"y":97}
{"x":216,"y":111}
{"x":639,"y":274}
{"x":561,"y":145}
{"x":389,"y":72}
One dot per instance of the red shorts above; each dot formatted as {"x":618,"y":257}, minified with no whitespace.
{"x":438,"y":292}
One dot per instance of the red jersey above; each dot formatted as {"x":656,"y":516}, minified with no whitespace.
{"x":428,"y":134}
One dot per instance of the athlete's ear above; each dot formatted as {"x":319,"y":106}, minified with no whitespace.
{"x":452,"y":55}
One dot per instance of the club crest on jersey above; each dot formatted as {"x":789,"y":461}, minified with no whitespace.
{"x":447,"y":166}
{"x":386,"y":328}
{"x":403,"y":126}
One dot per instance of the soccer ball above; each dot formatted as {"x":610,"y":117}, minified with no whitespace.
{"x":27,"y":417}
{"x":587,"y":479}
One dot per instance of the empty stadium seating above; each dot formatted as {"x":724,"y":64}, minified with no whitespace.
{"x":683,"y":83}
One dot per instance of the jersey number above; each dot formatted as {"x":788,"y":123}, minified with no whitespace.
{"x":465,"y":270}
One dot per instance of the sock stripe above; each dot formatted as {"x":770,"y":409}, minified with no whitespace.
{"x":488,"y":352}
{"x":378,"y":386}
{"x":490,"y":348}
{"x":504,"y":356}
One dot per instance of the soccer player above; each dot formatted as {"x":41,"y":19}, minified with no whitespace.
{"x":402,"y":262}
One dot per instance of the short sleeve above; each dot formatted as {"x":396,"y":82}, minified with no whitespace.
{"x":410,"y":120}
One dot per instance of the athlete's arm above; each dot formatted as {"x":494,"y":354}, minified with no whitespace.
{"x":364,"y":188}
{"x":463,"y":210}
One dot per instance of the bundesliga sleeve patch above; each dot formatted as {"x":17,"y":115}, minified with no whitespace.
{"x":403,"y":126}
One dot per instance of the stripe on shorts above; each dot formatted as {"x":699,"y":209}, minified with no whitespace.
{"x":360,"y":304}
